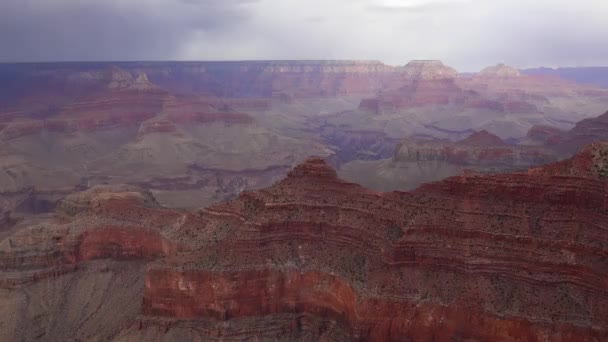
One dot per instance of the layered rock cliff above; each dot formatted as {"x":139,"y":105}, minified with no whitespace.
{"x":415,"y":161}
{"x":585,"y":132}
{"x":423,"y":83}
{"x":502,"y":257}
{"x":478,"y":150}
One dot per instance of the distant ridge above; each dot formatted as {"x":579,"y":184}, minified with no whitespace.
{"x":590,"y":75}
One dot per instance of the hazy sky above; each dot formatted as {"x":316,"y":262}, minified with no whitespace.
{"x":466,"y":34}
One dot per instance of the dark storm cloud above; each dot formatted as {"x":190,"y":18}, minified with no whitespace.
{"x":466,"y":34}
{"x":41,"y":30}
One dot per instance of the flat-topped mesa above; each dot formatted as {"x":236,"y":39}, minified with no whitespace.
{"x":500,"y":70}
{"x":428,"y":70}
{"x":482,"y":139}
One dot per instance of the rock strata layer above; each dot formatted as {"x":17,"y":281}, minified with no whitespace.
{"x":496,"y":257}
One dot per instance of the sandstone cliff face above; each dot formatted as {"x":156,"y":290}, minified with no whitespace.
{"x":497,"y":99}
{"x":415,"y":161}
{"x":504,"y":80}
{"x":499,"y":71}
{"x":499,"y":89}
{"x":544,"y":135}
{"x":480,"y":149}
{"x":503,"y":257}
{"x":566,"y":143}
{"x":103,"y":222}
{"x":423,"y":83}
{"x":590,"y":162}
{"x":256,"y":79}
{"x":371,"y":279}
{"x":427,"y":70}
{"x":585,"y":132}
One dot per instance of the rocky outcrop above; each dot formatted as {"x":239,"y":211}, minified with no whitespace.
{"x":430,"y":83}
{"x":500,"y":71}
{"x":590,"y":162}
{"x":585,"y":132}
{"x":352,"y":145}
{"x":566,"y":143}
{"x":482,"y":139}
{"x":122,"y":80}
{"x":103,"y":222}
{"x":481,"y":149}
{"x":502,"y":257}
{"x":264,"y":79}
{"x":544,"y":135}
{"x":423,"y":83}
{"x":417,"y":161}
{"x":506,"y":82}
{"x":311,"y":232}
{"x":326,"y":78}
{"x":427,"y":70}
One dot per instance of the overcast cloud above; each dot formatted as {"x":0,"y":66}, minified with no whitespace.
{"x":466,"y":34}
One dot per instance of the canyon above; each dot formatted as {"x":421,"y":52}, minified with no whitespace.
{"x":418,"y":161}
{"x":518,"y":256}
{"x":301,"y":200}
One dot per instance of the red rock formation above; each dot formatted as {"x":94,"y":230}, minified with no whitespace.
{"x":265,"y":78}
{"x":585,"y":132}
{"x":481,"y":149}
{"x":502,"y":257}
{"x":104,"y":222}
{"x":482,"y":139}
{"x":566,"y":143}
{"x":194,"y":110}
{"x":427,"y":83}
{"x":309,"y":247}
{"x":500,"y":71}
{"x":508,"y":83}
{"x":591,"y":162}
{"x":544,"y":135}
{"x":423,"y":83}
